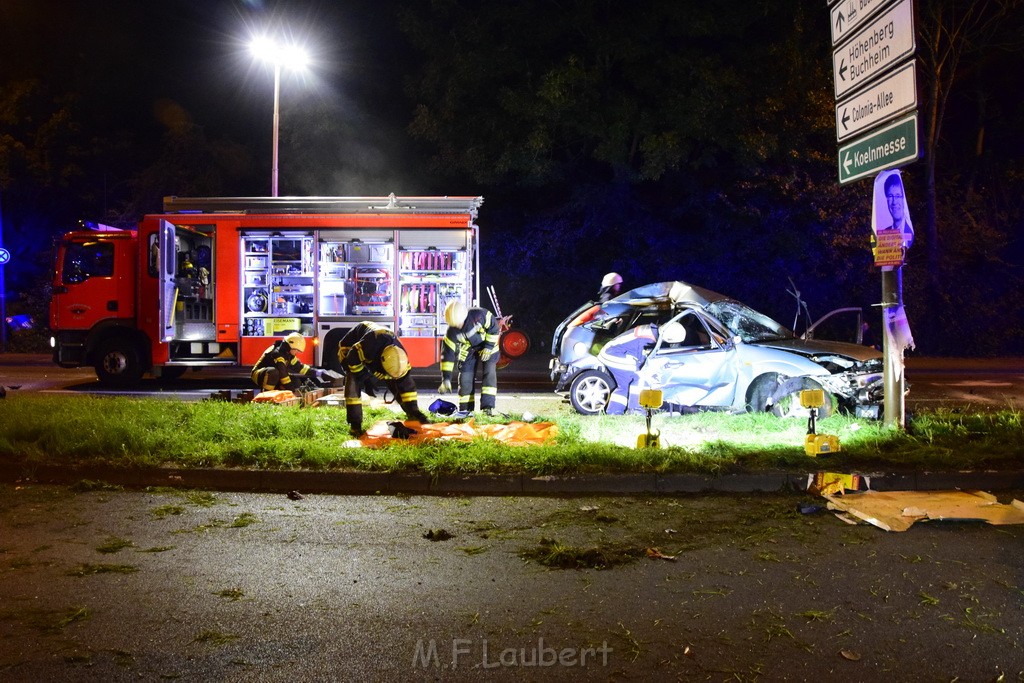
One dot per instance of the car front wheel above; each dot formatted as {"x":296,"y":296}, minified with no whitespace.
{"x":786,"y":399}
{"x":590,"y":391}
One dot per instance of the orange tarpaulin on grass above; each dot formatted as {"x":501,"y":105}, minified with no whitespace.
{"x":274,"y":396}
{"x":513,"y":433}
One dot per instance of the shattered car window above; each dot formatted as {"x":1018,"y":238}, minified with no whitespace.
{"x":746,"y":323}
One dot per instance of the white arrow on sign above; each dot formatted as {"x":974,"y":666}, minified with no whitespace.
{"x":872,"y":51}
{"x":895,"y":94}
{"x":849,"y":14}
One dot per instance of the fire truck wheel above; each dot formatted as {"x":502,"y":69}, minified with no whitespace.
{"x":118,"y":362}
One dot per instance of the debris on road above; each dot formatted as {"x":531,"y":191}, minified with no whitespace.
{"x":656,"y":554}
{"x":829,"y":483}
{"x":437,"y":535}
{"x":898,"y":510}
{"x":809,"y":508}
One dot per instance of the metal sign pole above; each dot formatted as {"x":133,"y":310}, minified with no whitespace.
{"x":875,"y":85}
{"x":3,"y":284}
{"x":892,"y":354}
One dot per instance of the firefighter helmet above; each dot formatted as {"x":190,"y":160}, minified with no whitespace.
{"x":673,"y":333}
{"x":296,"y":341}
{"x":395,"y":361}
{"x":455,"y":314}
{"x":611,"y":279}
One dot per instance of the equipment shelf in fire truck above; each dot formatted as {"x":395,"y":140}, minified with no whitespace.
{"x":213,"y":281}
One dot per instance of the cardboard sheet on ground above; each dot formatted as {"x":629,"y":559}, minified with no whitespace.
{"x":514,"y":433}
{"x":898,"y":510}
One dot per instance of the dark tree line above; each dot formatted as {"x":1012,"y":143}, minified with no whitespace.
{"x":695,"y":141}
{"x":664,"y":140}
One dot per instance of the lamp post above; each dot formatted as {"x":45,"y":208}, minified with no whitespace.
{"x":290,"y":56}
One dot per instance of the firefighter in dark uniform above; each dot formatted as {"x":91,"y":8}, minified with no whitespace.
{"x":370,"y":352}
{"x":472,"y":336}
{"x":278,"y":363}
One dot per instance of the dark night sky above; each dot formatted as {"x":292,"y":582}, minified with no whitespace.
{"x":142,"y":64}
{"x":134,"y":58}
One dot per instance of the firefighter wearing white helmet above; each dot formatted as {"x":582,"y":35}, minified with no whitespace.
{"x":371,"y":353}
{"x":611,"y":285}
{"x":472,"y":337}
{"x":278,"y":363}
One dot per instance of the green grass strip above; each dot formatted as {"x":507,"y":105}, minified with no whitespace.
{"x":130,"y":432}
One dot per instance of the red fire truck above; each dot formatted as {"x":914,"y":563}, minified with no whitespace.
{"x":213,"y":281}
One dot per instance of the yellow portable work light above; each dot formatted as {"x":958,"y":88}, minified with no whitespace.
{"x":816,"y":444}
{"x":650,"y":400}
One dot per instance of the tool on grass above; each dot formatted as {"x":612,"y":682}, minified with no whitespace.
{"x":650,"y":400}
{"x":816,"y":444}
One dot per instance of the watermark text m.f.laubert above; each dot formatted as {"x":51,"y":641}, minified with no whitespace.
{"x":469,"y":653}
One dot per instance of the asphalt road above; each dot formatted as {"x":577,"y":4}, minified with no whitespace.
{"x":184,"y":585}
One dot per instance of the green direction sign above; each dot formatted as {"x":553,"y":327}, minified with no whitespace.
{"x":887,"y":147}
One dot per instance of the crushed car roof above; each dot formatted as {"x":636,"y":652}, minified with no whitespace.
{"x":675,"y":291}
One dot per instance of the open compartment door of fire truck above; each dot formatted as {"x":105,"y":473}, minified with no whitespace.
{"x":168,"y":272}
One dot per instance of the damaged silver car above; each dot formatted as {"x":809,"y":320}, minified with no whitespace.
{"x":730,"y":358}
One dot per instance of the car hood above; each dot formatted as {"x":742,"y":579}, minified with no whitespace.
{"x":811,"y":347}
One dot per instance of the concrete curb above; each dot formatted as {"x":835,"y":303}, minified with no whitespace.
{"x":384,"y":483}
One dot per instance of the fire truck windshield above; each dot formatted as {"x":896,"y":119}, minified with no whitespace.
{"x":85,"y":260}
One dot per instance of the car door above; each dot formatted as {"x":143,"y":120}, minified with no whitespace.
{"x":700,"y":371}
{"x":842,"y":324}
{"x":167,"y":260}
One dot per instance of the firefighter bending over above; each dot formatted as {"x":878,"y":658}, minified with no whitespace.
{"x":371,"y":352}
{"x":278,"y":363}
{"x":472,"y":335}
{"x":626,"y":354}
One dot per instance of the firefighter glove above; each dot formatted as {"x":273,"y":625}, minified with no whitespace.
{"x":399,"y":430}
{"x":446,"y":387}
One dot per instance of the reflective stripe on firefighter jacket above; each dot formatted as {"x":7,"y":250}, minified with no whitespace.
{"x":278,"y":357}
{"x":479,"y":333}
{"x":360,"y":354}
{"x":476,"y":340}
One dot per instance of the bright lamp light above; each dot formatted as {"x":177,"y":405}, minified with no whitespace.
{"x":280,"y":56}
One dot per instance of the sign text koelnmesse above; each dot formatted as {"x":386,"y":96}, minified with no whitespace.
{"x":888,"y":147}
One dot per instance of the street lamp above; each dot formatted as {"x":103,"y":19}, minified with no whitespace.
{"x":290,"y":56}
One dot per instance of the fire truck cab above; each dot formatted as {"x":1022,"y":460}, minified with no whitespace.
{"x":215,"y":281}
